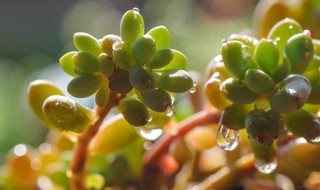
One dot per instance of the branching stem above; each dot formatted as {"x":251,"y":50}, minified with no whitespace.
{"x":77,"y":172}
{"x":162,"y":145}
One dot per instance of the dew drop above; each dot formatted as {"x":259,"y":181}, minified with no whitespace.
{"x":307,"y":33}
{"x":297,"y":86}
{"x":224,"y":42}
{"x":275,"y":42}
{"x":227,"y":139}
{"x":149,"y":134}
{"x":170,"y":111}
{"x":266,"y":167}
{"x":145,"y":66}
{"x":193,"y":89}
{"x":135,"y":9}
{"x":149,"y":119}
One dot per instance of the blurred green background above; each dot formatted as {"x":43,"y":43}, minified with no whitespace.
{"x":34,"y":34}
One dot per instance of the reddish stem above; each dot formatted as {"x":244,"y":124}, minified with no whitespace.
{"x":162,"y":145}
{"x":77,"y":169}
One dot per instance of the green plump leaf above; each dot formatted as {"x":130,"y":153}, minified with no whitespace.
{"x":86,"y":43}
{"x":143,"y":50}
{"x":131,"y":26}
{"x":85,"y":62}
{"x":67,"y":64}
{"x":248,"y":40}
{"x":267,"y":55}
{"x":107,"y":43}
{"x":236,"y":91}
{"x":162,"y":58}
{"x":103,"y":94}
{"x":264,"y":126}
{"x":234,"y":116}
{"x":179,"y":61}
{"x":176,"y":81}
{"x":314,"y":79}
{"x":237,"y":58}
{"x":299,"y":51}
{"x":303,"y":124}
{"x":106,"y":64}
{"x":119,"y":82}
{"x":280,"y":72}
{"x":266,"y":154}
{"x":161,"y":35}
{"x":258,"y":81}
{"x":38,"y":92}
{"x":66,"y":115}
{"x":84,"y":85}
{"x":114,"y":135}
{"x":282,"y":31}
{"x":141,"y":79}
{"x":158,"y":100}
{"x":122,"y":55}
{"x":135,"y":112}
{"x":292,"y":94}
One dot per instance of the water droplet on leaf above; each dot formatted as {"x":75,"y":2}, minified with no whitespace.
{"x":266,"y":167}
{"x":135,"y":9}
{"x":170,"y":111}
{"x":193,"y":88}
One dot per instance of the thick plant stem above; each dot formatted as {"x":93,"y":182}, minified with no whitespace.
{"x":162,"y":145}
{"x":77,"y":171}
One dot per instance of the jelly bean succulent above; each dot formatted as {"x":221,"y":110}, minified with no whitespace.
{"x":136,"y":72}
{"x":269,"y":87}
{"x":265,"y":91}
{"x":140,"y":67}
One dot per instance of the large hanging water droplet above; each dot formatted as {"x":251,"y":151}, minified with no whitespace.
{"x":227,"y":139}
{"x":297,"y":86}
{"x":266,"y":167}
{"x":193,"y":89}
{"x":170,"y":111}
{"x":149,"y":134}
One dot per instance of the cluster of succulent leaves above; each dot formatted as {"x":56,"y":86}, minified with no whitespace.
{"x":140,"y":68}
{"x":138,"y":65}
{"x":269,"y":86}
